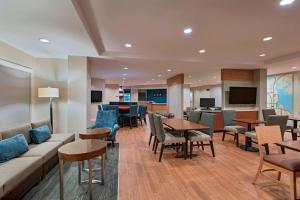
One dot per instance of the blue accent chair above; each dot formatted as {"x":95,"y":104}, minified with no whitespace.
{"x":107,"y":119}
{"x":133,"y":113}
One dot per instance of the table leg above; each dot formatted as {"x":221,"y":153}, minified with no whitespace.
{"x":90,"y":179}
{"x":79,"y":172}
{"x":61,"y":178}
{"x":294,"y":134}
{"x":248,"y":142}
{"x":102,"y":168}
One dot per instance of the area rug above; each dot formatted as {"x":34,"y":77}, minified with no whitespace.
{"x":48,"y":189}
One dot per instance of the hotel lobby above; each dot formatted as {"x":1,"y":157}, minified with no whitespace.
{"x":134,"y":99}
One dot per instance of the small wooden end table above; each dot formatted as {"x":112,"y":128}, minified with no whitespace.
{"x":97,"y":133}
{"x":78,"y":151}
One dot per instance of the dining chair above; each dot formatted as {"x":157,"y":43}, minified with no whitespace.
{"x":133,"y":113}
{"x":282,"y":163}
{"x":267,"y":112}
{"x":152,"y":130}
{"x":207,"y":119}
{"x":194,"y":116}
{"x":272,"y":120}
{"x":167,"y":139}
{"x":231,"y":127}
{"x":142,"y":111}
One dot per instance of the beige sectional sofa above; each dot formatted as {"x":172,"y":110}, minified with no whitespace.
{"x":20,"y":174}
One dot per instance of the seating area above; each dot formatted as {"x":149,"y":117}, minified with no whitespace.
{"x":158,"y":100}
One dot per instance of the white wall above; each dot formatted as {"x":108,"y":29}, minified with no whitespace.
{"x":78,"y":93}
{"x":51,"y":73}
{"x":96,"y":84}
{"x":111,"y":93}
{"x":186,"y":96}
{"x":210,"y":91}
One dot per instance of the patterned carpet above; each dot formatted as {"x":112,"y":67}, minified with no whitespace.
{"x":48,"y":189}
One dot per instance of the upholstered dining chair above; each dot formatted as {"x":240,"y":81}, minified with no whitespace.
{"x":267,"y":112}
{"x":282,"y":163}
{"x":107,"y":119}
{"x":207,"y":119}
{"x":152,"y":130}
{"x":165,"y":138}
{"x":142,"y":111}
{"x":272,"y":120}
{"x":231,"y":127}
{"x":194,"y":116}
{"x":133,"y":114}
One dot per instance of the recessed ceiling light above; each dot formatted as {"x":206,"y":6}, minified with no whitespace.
{"x":124,"y":78}
{"x":188,"y":30}
{"x":169,"y":70}
{"x":44,"y":40}
{"x":214,"y":77}
{"x":153,"y":79}
{"x":199,"y":80}
{"x":124,"y":74}
{"x":294,"y":67}
{"x":125,"y":68}
{"x":190,"y":76}
{"x":128,"y":45}
{"x":286,"y":2}
{"x":262,"y":55}
{"x":159,"y":75}
{"x":202,"y":51}
{"x":267,"y":39}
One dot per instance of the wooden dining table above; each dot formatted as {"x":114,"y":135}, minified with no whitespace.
{"x":292,"y":145}
{"x":248,"y":141}
{"x":183,"y":126}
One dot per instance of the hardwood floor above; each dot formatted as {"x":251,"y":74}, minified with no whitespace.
{"x":227,"y":176}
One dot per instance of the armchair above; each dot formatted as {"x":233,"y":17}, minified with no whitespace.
{"x":107,"y":119}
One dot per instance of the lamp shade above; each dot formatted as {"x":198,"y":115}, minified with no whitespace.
{"x":48,"y":92}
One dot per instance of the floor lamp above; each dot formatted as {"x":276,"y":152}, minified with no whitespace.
{"x":49,"y":93}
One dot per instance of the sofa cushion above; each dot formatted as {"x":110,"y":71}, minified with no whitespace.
{"x":235,"y":129}
{"x":62,"y":137}
{"x":45,"y":150}
{"x":41,"y":123}
{"x":16,"y":170}
{"x":12,"y":132}
{"x":12,"y":147}
{"x":40,"y":134}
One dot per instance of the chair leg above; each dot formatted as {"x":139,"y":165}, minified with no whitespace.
{"x":279,"y":176}
{"x":130,"y":122}
{"x":156,"y":146}
{"x":113,"y":143}
{"x":237,"y":139}
{"x":191,"y":150}
{"x":154,"y":142}
{"x":161,"y":151}
{"x":223,"y":138}
{"x":186,"y":150}
{"x":150,"y":139}
{"x":198,"y":144}
{"x":145,"y":120}
{"x":202,"y":145}
{"x":212,"y":148}
{"x":258,"y":171}
{"x":293,"y":188}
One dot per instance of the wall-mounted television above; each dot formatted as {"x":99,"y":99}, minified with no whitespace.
{"x":207,"y":102}
{"x":242,"y":95}
{"x":96,"y":96}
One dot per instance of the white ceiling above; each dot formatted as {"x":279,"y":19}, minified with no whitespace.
{"x":231,"y":31}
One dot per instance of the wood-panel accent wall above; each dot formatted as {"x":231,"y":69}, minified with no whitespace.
{"x":237,"y":75}
{"x":178,"y":79}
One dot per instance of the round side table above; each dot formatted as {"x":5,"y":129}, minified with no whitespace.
{"x":78,"y":151}
{"x":97,"y":133}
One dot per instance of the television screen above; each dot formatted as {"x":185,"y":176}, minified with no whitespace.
{"x":242,"y":95}
{"x":96,"y":96}
{"x":207,"y":102}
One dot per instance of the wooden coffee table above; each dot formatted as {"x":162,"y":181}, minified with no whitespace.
{"x":96,"y":133}
{"x":78,"y":151}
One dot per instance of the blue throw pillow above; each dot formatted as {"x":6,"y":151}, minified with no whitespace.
{"x":12,"y":147}
{"x":40,"y":134}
